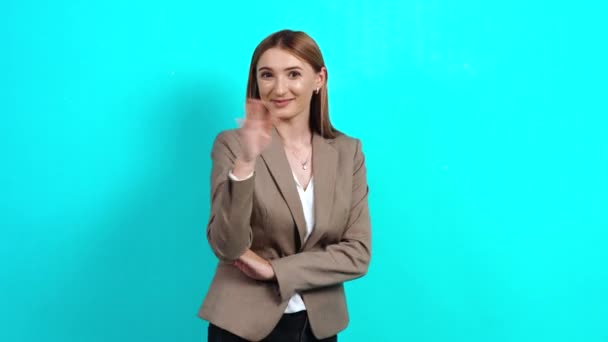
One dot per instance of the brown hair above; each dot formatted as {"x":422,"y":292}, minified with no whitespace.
{"x":304,"y":47}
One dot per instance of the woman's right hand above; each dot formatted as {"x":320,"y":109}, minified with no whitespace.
{"x":254,"y":135}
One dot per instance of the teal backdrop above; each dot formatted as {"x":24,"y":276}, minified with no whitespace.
{"x":484,"y":126}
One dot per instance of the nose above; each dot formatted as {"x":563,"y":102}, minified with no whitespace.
{"x":280,"y":86}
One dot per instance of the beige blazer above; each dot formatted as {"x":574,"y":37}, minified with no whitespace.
{"x":264,"y":213}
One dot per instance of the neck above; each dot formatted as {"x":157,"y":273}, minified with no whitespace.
{"x":294,"y":132}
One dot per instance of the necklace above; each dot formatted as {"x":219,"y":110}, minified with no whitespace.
{"x":303,"y":163}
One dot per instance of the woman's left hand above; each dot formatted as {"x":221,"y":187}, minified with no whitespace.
{"x":254,"y":266}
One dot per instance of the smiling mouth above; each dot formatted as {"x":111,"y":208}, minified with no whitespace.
{"x":281,"y":103}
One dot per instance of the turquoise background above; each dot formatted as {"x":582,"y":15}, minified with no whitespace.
{"x":484,"y":126}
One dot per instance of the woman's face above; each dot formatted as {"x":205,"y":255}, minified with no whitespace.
{"x":287,"y":83}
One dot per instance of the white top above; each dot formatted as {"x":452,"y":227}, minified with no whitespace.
{"x":307,"y":198}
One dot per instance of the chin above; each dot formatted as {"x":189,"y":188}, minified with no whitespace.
{"x":283,"y":113}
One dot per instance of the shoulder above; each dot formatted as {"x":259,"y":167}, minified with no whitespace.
{"x":227,"y":136}
{"x":346,"y":144}
{"x":226,"y":142}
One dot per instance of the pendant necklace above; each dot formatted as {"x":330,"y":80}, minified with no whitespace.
{"x":303,"y":163}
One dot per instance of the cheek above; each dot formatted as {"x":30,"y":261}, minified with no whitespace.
{"x":264,"y":89}
{"x":301,"y":88}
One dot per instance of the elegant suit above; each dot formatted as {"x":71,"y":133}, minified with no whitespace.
{"x":264,"y":213}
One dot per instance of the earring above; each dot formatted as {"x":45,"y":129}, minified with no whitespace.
{"x":317,"y":91}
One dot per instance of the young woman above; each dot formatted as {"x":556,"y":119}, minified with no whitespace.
{"x":289,"y":215}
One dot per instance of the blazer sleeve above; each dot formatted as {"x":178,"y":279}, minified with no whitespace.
{"x":349,"y":259}
{"x":229,"y":231}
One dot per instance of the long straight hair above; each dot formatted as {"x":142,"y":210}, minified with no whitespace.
{"x":304,"y":47}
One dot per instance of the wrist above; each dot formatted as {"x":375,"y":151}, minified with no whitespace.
{"x":243,"y":168}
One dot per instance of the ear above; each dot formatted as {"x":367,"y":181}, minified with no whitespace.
{"x":321,"y":78}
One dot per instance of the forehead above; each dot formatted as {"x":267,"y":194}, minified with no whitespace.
{"x":275,"y":58}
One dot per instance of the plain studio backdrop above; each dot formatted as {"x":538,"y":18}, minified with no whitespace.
{"x":484,"y":126}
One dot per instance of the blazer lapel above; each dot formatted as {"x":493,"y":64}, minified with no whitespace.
{"x":324,"y":168}
{"x":276,"y":161}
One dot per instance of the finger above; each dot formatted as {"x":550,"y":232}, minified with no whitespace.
{"x":254,"y":123}
{"x":268,"y":122}
{"x":240,"y":266}
{"x":255,"y":109}
{"x":266,"y":137}
{"x":266,"y":105}
{"x":245,"y":254}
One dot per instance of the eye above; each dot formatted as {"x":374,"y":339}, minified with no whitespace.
{"x":265,"y":74}
{"x":294,"y":74}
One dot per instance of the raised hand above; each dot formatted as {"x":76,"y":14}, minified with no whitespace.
{"x":255,"y":136}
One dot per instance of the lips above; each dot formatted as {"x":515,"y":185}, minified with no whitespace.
{"x":282,"y":102}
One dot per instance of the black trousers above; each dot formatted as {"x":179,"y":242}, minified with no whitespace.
{"x":293,"y":327}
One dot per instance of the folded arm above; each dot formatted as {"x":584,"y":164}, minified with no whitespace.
{"x":346,"y":260}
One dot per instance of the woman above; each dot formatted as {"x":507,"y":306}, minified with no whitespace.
{"x":289,"y":216}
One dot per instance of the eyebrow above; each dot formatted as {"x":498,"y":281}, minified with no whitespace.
{"x":286,"y":69}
